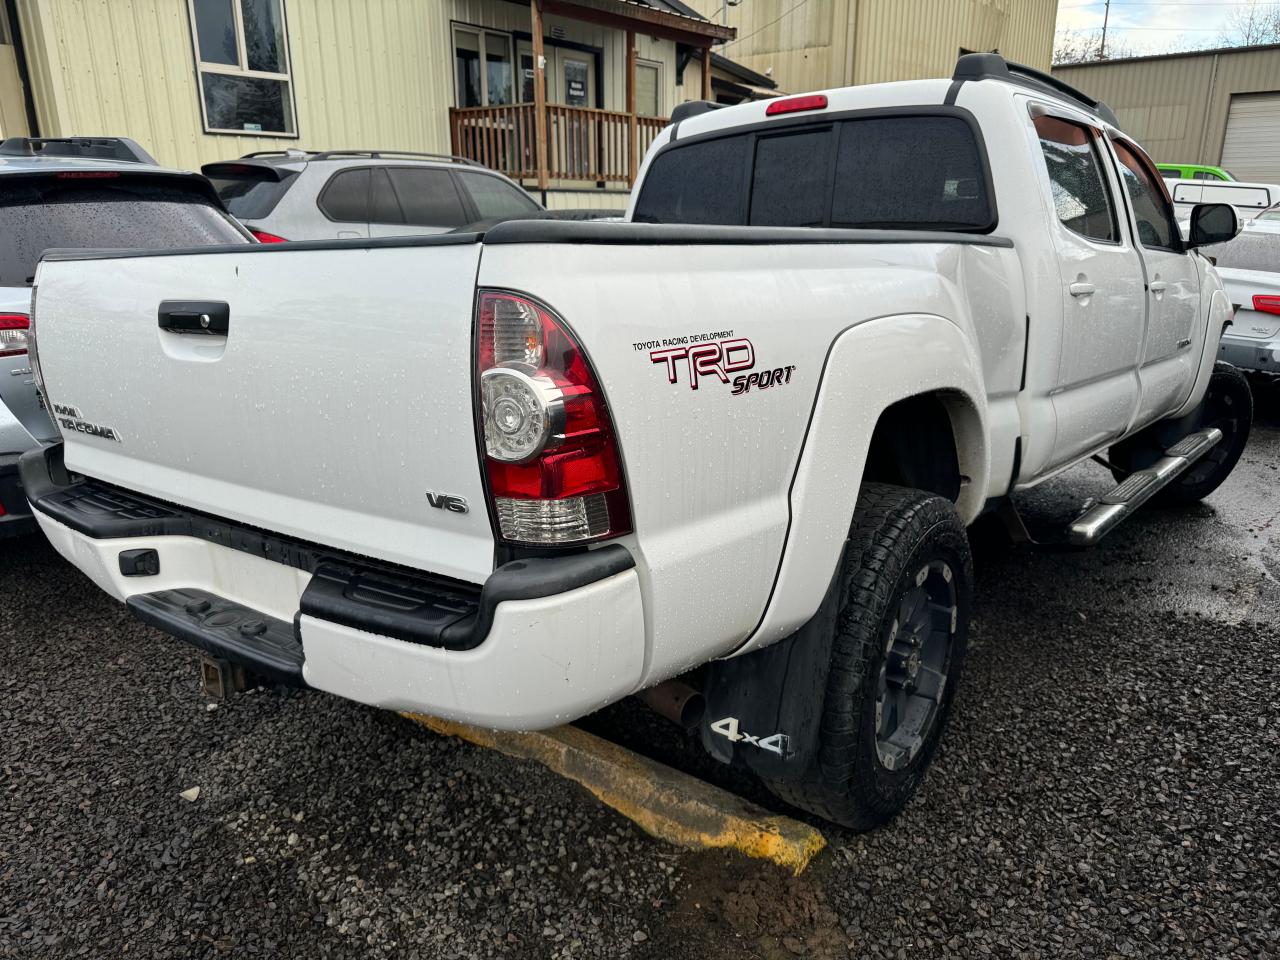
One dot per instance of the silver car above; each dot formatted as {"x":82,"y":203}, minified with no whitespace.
{"x":294,"y":195}
{"x":78,"y":192}
{"x":1250,"y":269}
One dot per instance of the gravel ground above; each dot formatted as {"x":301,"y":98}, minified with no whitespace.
{"x":1108,"y":787}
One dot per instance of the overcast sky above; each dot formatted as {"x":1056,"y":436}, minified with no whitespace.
{"x":1152,"y":26}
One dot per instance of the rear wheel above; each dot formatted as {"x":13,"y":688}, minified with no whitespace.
{"x":1227,"y":405}
{"x":900,"y":609}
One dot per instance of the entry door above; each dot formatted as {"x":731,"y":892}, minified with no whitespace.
{"x":1103,"y":308}
{"x":1173,"y":287}
{"x":575,"y":78}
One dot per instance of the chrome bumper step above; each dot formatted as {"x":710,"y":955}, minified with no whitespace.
{"x":1100,"y":517}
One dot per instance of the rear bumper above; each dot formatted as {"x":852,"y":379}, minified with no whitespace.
{"x":1250,"y":354}
{"x":542,"y":642}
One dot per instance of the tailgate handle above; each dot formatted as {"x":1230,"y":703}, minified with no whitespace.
{"x":195,"y":316}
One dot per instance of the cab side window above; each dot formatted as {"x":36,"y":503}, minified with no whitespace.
{"x":1081,"y":197}
{"x":1151,"y":207}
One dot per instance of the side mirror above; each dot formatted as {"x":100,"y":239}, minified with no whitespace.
{"x":1213,"y":223}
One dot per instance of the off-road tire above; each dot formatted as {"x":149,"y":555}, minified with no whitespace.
{"x":896,"y":532}
{"x":1227,"y":405}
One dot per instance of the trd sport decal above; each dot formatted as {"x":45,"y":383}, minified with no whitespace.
{"x":719,"y":355}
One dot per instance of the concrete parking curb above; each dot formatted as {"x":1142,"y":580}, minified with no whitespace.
{"x":663,"y":802}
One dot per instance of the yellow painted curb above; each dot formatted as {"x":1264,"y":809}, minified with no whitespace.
{"x":663,"y":802}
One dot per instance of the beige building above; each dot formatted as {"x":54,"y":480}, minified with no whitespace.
{"x":200,"y":80}
{"x":816,"y":44}
{"x":1217,"y":107}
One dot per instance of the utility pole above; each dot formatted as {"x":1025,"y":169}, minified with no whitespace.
{"x":1102,"y":53}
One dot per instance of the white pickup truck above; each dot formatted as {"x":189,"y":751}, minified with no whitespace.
{"x":511,"y":477}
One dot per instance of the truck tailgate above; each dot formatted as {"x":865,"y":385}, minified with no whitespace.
{"x":339,"y":397}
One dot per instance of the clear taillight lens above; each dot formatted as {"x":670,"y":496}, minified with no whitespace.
{"x":551,"y":459}
{"x":15,"y":334}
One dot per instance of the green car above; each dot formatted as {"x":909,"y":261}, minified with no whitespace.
{"x":1192,"y":171}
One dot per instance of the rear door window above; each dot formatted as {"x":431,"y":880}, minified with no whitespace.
{"x":45,"y":213}
{"x":345,"y":197}
{"x":1081,"y":196}
{"x":384,"y":206}
{"x":428,"y":197}
{"x":913,"y":172}
{"x":494,"y":198}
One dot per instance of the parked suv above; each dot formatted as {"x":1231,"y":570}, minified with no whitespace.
{"x":78,"y":192}
{"x":295,"y":195}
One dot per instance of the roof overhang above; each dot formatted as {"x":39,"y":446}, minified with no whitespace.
{"x":630,"y":15}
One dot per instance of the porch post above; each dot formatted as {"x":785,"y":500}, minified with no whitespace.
{"x":539,"y":93}
{"x":633,"y":140}
{"x":706,"y":73}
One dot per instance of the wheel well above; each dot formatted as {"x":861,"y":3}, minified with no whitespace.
{"x":914,"y":445}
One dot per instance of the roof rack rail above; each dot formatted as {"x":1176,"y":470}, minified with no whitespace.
{"x":381,"y":154}
{"x":94,"y":148}
{"x":693,"y":108}
{"x":992,"y":66}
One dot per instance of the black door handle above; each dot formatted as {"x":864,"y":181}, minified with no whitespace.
{"x":195,"y":316}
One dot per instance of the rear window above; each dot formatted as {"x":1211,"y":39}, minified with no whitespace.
{"x":1248,"y":251}
{"x":494,"y":198}
{"x":248,"y":193}
{"x":39,"y":214}
{"x":906,"y":172}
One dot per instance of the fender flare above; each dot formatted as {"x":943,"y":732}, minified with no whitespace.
{"x":869,"y":367}
{"x":778,"y":687}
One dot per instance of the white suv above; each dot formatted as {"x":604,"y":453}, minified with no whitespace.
{"x":295,"y":195}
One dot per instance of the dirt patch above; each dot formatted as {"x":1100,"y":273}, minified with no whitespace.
{"x":735,"y":908}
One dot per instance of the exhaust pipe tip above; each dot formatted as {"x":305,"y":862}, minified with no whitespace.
{"x":677,"y":701}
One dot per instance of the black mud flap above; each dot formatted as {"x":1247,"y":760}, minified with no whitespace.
{"x":764,"y":709}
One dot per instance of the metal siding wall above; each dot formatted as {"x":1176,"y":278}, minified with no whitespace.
{"x":1177,"y":106}
{"x":368,"y":74}
{"x":920,"y":39}
{"x":1160,"y":103}
{"x":594,"y":199}
{"x":892,"y":39}
{"x":793,"y":38}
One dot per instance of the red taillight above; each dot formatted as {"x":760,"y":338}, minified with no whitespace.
{"x":15,"y":331}
{"x":264,"y":237}
{"x":1266,"y":304}
{"x":550,"y":456}
{"x":86,"y":175}
{"x":810,"y":101}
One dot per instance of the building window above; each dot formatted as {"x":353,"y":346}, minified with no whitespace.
{"x":483,"y":67}
{"x":242,"y":59}
{"x":648,"y":89}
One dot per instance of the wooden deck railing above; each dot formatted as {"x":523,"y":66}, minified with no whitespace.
{"x":582,"y":143}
